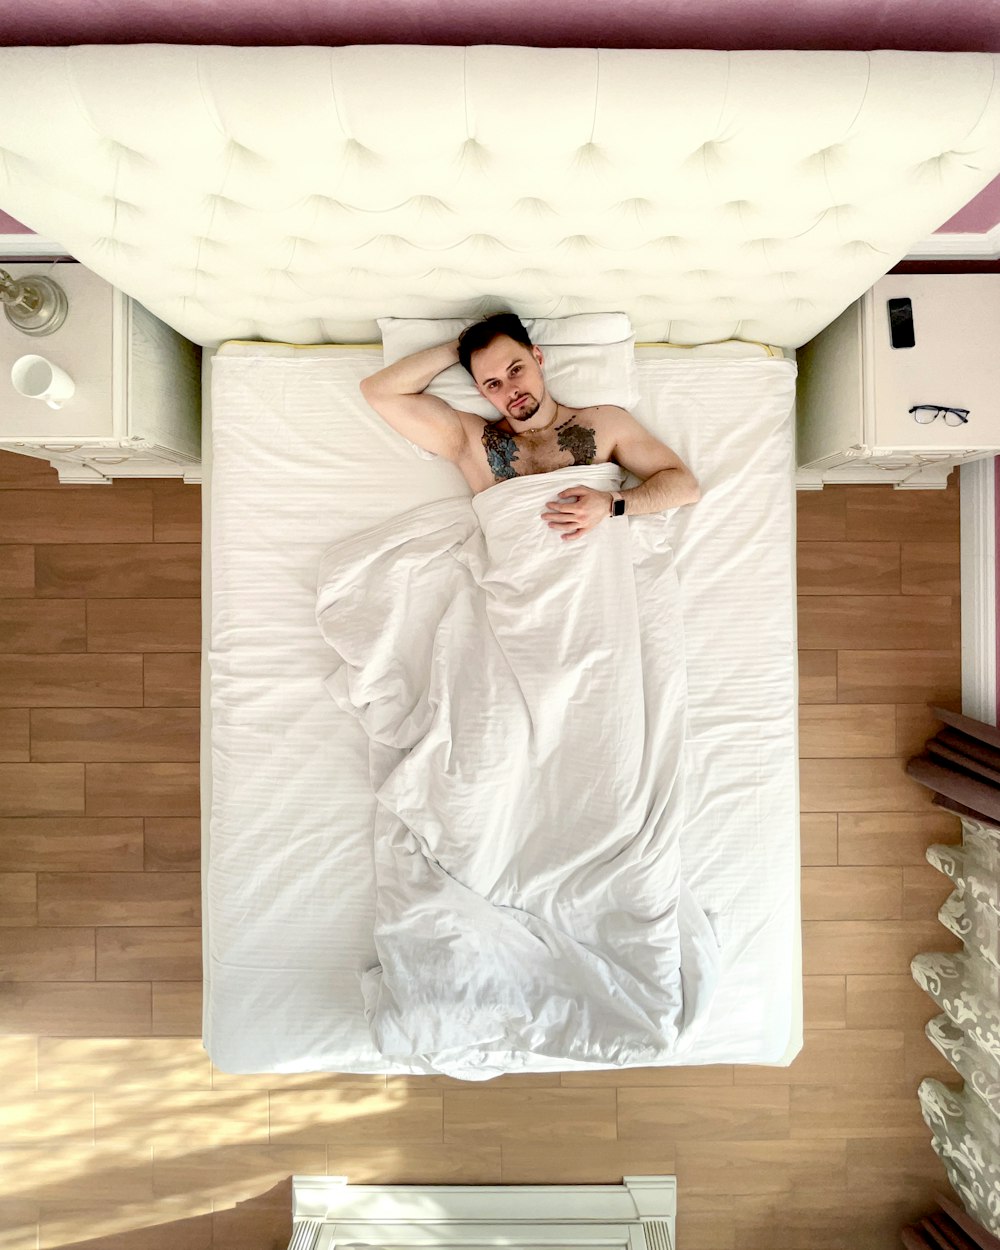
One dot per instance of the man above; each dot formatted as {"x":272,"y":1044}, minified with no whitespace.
{"x":527,"y":720}
{"x":535,"y":433}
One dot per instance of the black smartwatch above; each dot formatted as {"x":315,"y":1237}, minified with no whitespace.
{"x":617,"y":504}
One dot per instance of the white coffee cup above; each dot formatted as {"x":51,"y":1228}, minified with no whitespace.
{"x":38,"y":378}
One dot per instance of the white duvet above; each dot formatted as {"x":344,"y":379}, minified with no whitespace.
{"x":524,"y":699}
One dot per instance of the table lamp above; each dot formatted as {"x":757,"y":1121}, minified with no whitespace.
{"x":33,"y":304}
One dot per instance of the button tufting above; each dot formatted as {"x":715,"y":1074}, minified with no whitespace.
{"x":534,"y":204}
{"x":429,"y":202}
{"x":117,"y":146}
{"x":637,"y":204}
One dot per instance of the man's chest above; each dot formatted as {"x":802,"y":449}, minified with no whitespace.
{"x":576,"y":440}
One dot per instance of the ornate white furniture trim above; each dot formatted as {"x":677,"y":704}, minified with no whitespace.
{"x":966,"y":1125}
{"x":638,"y":1214}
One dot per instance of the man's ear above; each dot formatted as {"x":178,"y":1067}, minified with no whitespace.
{"x":537,"y":353}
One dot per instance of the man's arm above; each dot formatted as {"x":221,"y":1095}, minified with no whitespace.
{"x":667,"y":482}
{"x":429,"y":422}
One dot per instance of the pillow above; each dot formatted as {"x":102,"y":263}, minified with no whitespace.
{"x":589,"y":358}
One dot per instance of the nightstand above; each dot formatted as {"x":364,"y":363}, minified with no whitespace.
{"x":136,"y":408}
{"x":855,"y":388}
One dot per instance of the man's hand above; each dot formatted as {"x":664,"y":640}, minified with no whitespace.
{"x":576,"y":511}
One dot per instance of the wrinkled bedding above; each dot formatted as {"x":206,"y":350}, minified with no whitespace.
{"x":524,"y":700}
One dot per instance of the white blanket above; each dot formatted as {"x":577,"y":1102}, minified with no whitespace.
{"x":524,"y":699}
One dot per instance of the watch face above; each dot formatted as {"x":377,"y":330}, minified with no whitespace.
{"x":619,"y":507}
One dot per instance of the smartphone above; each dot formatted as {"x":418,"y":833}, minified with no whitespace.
{"x":901,"y":323}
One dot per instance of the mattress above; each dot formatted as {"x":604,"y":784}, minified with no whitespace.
{"x":294,"y":461}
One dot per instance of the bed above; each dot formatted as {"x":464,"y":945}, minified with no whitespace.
{"x":732,"y":204}
{"x":283,"y":418}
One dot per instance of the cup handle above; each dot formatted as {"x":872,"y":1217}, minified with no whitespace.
{"x":53,"y":403}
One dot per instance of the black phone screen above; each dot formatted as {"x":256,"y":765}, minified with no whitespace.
{"x":901,"y":323}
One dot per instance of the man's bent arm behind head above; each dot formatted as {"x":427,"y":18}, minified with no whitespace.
{"x":395,"y":394}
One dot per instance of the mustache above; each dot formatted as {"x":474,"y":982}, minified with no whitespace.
{"x":524,"y":408}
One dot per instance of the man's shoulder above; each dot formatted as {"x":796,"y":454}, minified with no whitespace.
{"x":473,"y":426}
{"x":601,"y":412}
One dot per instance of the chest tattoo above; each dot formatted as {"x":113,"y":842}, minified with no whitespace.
{"x":501,"y":452}
{"x":580,"y":441}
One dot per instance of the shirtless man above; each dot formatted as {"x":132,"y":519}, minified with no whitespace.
{"x":536,"y":434}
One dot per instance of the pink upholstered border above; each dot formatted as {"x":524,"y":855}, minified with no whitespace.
{"x":9,"y":226}
{"x":979,"y":216}
{"x":931,"y":25}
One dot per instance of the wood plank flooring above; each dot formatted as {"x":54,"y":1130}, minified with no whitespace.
{"x":115,"y":1126}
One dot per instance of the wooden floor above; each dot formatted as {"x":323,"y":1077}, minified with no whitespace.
{"x":112,"y":1119}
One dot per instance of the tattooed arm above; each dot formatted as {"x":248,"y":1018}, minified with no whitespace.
{"x":395,"y":394}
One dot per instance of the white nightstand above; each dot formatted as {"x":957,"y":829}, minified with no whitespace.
{"x":136,"y":409}
{"x":855,"y":389}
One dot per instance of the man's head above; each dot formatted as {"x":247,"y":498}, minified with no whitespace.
{"x":505,"y":366}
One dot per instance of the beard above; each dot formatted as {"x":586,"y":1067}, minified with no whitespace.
{"x":526,"y":410}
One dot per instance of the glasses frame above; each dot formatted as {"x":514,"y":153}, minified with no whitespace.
{"x":941,"y":410}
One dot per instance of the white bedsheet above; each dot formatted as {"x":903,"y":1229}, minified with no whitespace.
{"x":298,"y":463}
{"x":525,"y":702}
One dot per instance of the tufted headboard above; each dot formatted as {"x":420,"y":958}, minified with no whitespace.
{"x":297,"y":193}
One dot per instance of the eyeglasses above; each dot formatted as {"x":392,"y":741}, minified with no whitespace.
{"x":926,"y":413}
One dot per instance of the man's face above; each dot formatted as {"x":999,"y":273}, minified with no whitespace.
{"x":510,"y":376}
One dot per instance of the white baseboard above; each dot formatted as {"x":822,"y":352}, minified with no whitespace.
{"x":13,"y":246}
{"x":958,"y":247}
{"x":979,"y":610}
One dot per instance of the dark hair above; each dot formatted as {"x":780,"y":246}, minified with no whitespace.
{"x":482,"y":333}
